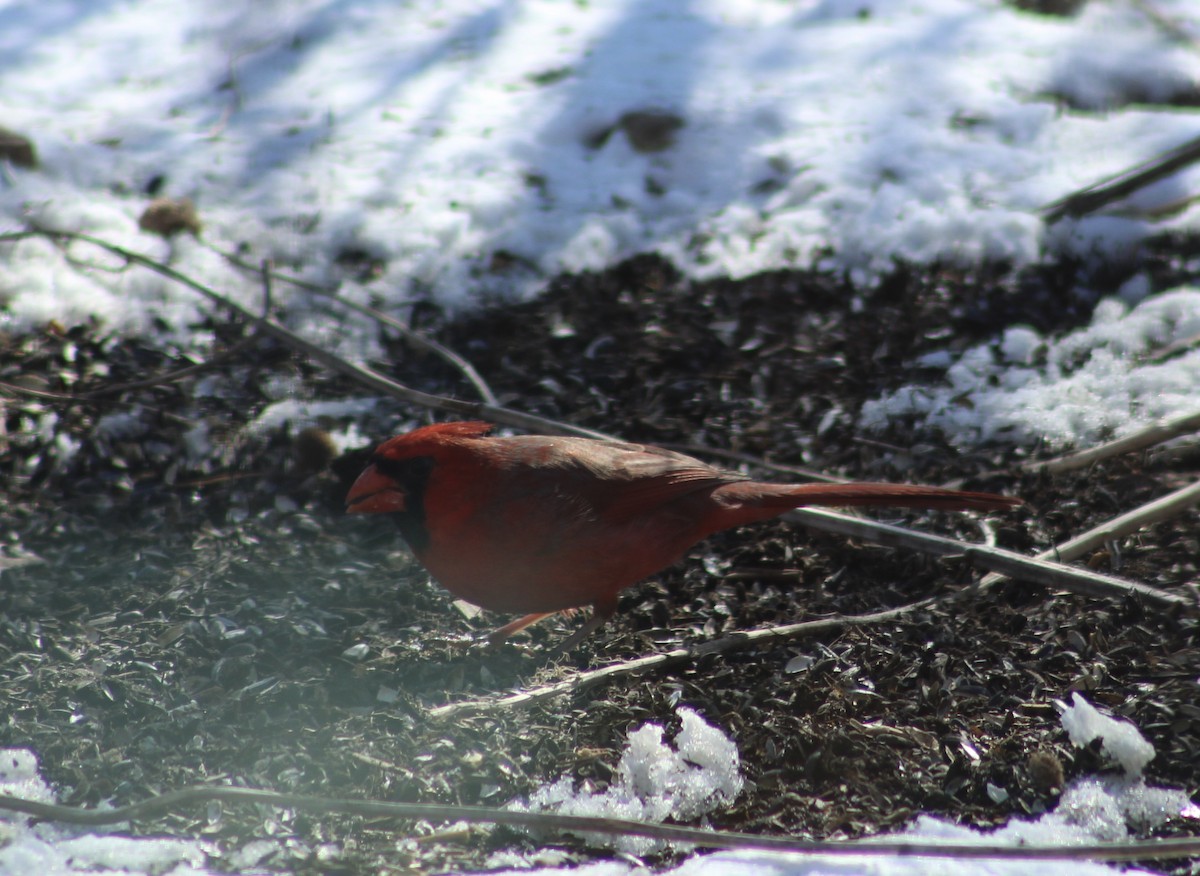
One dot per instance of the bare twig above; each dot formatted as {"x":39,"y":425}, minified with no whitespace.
{"x":70,"y":399}
{"x":170,"y":376}
{"x":1016,"y":565}
{"x":1154,"y":849}
{"x":44,"y":394}
{"x":993,"y":559}
{"x":159,"y":379}
{"x":1175,"y":347}
{"x":1160,"y":509}
{"x":731,"y":642}
{"x":362,"y":374}
{"x":268,"y":293}
{"x":94,"y":396}
{"x":414,"y":337}
{"x":29,"y":559}
{"x":1123,"y":184}
{"x":1164,"y":430}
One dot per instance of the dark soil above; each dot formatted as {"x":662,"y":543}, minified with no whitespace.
{"x":192,"y":616}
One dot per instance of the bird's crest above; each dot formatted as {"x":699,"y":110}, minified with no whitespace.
{"x":420,"y":441}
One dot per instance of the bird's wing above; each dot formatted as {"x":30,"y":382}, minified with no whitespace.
{"x":622,"y":481}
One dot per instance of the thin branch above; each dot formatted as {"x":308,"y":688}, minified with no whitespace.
{"x":360,"y":373}
{"x":1123,"y":184}
{"x":170,"y":376}
{"x":70,"y":399}
{"x":1009,"y":563}
{"x":1163,"y":430}
{"x":28,"y":559}
{"x":1136,"y":850}
{"x":1174,"y":348}
{"x":268,"y":293}
{"x":160,"y":379}
{"x":1163,"y":508}
{"x":1035,"y":569}
{"x":414,"y":337}
{"x":731,"y":642}
{"x":44,"y":394}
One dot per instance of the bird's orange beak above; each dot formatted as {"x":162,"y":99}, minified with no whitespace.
{"x":374,"y":493}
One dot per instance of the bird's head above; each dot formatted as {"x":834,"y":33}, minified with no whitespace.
{"x":395,"y":480}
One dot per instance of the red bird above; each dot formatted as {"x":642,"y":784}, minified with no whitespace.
{"x":538,"y":524}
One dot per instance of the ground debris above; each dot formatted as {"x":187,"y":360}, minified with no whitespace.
{"x":205,"y":612}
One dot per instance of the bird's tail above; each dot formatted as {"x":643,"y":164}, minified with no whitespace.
{"x":784,"y":496}
{"x":901,"y":496}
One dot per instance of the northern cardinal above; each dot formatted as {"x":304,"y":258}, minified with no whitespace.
{"x":539,"y":524}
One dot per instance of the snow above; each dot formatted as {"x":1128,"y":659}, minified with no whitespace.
{"x":293,"y":412}
{"x":857,"y":133}
{"x":1091,"y":809}
{"x":476,"y":147}
{"x":52,"y":850}
{"x":1119,"y":740}
{"x":655,"y":781}
{"x":1096,"y":382}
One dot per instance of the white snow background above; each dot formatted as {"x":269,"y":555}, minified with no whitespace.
{"x":837,"y":134}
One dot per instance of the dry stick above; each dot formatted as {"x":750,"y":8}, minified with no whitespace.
{"x":1035,"y":569}
{"x":1163,"y":430}
{"x":178,"y":374}
{"x":1008,"y":563}
{"x":361,"y":373}
{"x":95,"y":396}
{"x":45,"y":394}
{"x":1161,"y":508}
{"x":410,"y":334}
{"x":1122,"y":184}
{"x":730,"y":642}
{"x":1136,"y":850}
{"x":171,"y":376}
{"x":68,"y":398}
{"x":991,"y":558}
{"x":181,"y":373}
{"x":1175,"y":347}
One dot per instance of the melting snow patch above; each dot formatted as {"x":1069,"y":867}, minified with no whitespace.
{"x":1092,"y":383}
{"x":52,"y":850}
{"x":654,"y":781}
{"x":425,"y":145}
{"x":703,"y":771}
{"x":1120,"y":740}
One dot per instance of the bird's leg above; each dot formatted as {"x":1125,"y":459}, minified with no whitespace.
{"x":602,"y":610}
{"x":498,"y":636}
